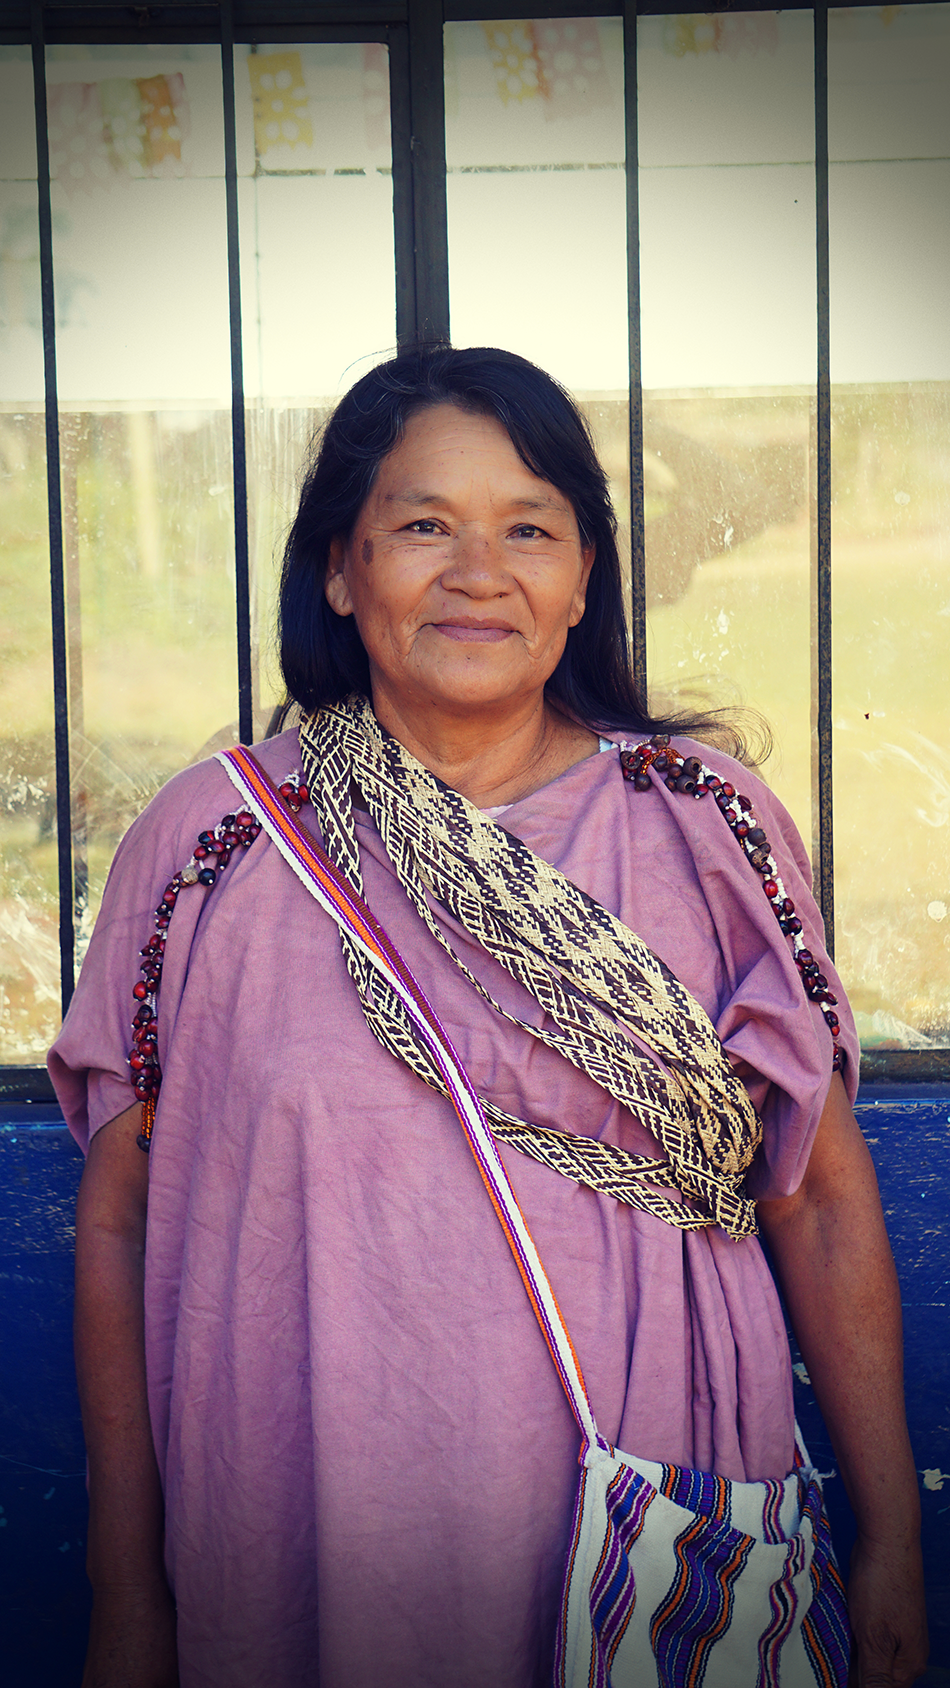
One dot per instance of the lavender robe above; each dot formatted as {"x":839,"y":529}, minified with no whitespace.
{"x":369,"y":1465}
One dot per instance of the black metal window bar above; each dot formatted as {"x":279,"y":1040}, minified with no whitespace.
{"x":412,"y":32}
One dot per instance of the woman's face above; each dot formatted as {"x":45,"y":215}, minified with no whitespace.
{"x":464,"y":570}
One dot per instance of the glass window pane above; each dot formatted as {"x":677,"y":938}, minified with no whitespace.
{"x":727,"y":263}
{"x":889,"y":142}
{"x":317,"y":271}
{"x":137,"y":160}
{"x":536,"y":206}
{"x":29,"y":909}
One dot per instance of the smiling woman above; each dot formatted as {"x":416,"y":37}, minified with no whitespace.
{"x":327,"y":1448}
{"x":463,"y":605}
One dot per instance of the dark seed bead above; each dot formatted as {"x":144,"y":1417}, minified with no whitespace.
{"x":244,"y":818}
{"x":661,"y":763}
{"x":713,"y":781}
{"x":163,"y":921}
{"x":164,"y":908}
{"x":743,"y":802}
{"x":136,"y":1061}
{"x":832,"y":1000}
{"x":286,"y":790}
{"x":224,"y":858}
{"x":207,"y":876}
{"x":692,"y":765}
{"x":686,"y":783}
{"x":810,"y":968}
{"x":757,"y":836}
{"x":742,"y":830}
{"x":228,"y":820}
{"x":838,"y":1061}
{"x":701,"y":790}
{"x":148,"y":1046}
{"x":795,"y":926}
{"x":770,"y":888}
{"x":670,"y":783}
{"x":728,"y":790}
{"x":660,"y":740}
{"x":805,"y":957}
{"x":143,"y":1142}
{"x":642,"y":782}
{"x":821,"y":980}
{"x":143,"y":1090}
{"x":200,"y":851}
{"x":142,"y":1017}
{"x":759,"y":858}
{"x":206,"y":838}
{"x":303,"y":793}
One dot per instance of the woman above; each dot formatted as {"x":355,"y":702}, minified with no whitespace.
{"x":335,"y":1450}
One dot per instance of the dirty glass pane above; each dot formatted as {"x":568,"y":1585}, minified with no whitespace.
{"x":136,"y":156}
{"x":317,"y":272}
{"x":29,"y":910}
{"x":536,"y":205}
{"x":889,"y":142}
{"x":727,"y":264}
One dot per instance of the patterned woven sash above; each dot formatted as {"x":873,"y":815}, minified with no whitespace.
{"x":618,"y":1011}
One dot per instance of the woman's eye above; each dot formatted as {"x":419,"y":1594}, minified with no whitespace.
{"x":527,"y":530}
{"x":423,"y":525}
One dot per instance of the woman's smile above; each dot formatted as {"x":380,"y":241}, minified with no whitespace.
{"x":470,"y":631}
{"x":465,"y":571}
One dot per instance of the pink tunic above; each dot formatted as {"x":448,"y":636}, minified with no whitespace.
{"x":368,"y":1461}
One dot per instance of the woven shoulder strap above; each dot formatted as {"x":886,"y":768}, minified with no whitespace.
{"x":315,"y":871}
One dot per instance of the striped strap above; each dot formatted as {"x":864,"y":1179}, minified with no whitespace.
{"x":315,"y":871}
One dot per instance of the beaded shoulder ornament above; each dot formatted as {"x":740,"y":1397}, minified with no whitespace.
{"x":689,"y":775}
{"x":215,"y":847}
{"x":210,"y":857}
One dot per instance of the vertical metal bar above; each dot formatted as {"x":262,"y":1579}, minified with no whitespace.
{"x":404,"y":242}
{"x":822,"y":652}
{"x":427,"y":151}
{"x":242,"y":589}
{"x":638,"y":586}
{"x":67,"y":941}
{"x":70,"y":437}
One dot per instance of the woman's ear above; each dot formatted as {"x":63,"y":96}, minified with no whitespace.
{"x":335,"y":586}
{"x":588,"y":554}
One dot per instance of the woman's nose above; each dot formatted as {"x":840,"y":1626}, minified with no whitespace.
{"x":478,"y":564}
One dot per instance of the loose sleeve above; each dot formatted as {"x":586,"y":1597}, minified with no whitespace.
{"x":777,"y":1037}
{"x":88,"y":1062}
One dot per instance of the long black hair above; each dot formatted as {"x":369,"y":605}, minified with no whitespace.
{"x":322,"y":654}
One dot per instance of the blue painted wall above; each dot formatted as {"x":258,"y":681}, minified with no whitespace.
{"x":44,"y":1599}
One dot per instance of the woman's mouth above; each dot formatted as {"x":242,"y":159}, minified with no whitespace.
{"x":480,"y":632}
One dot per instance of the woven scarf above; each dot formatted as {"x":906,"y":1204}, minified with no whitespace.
{"x":619,"y":1015}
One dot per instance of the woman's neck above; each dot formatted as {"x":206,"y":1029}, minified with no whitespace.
{"x":491,"y":762}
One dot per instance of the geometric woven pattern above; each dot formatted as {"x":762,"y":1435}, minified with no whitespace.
{"x":614,"y":1005}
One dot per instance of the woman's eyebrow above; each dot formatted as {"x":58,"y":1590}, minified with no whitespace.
{"x":410,"y":495}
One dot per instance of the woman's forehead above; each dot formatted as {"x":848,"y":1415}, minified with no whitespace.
{"x":444,"y":447}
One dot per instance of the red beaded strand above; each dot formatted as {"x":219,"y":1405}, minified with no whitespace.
{"x":689,"y":775}
{"x":211,"y":855}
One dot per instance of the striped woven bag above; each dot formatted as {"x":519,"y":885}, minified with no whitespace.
{"x":674,"y":1577}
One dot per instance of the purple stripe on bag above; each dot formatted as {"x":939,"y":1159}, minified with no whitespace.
{"x":698,"y":1609}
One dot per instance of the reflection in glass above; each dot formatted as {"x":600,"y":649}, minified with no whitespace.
{"x":727,"y":265}
{"x":317,"y":272}
{"x":29,"y":914}
{"x":139,"y":252}
{"x":889,"y":142}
